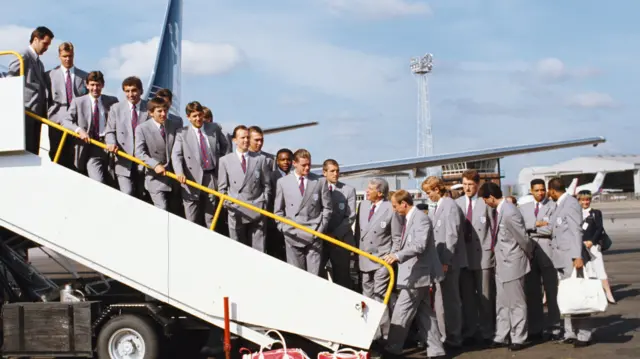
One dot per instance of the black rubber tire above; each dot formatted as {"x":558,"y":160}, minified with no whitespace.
{"x":140,"y":324}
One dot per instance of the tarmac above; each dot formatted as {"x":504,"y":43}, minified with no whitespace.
{"x":616,"y":330}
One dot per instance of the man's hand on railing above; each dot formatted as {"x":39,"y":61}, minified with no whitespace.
{"x":84,"y":136}
{"x":181,"y":178}
{"x":112,"y":148}
{"x":160,"y":169}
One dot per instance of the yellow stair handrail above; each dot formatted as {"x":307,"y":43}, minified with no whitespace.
{"x":20,"y":59}
{"x":223,"y":198}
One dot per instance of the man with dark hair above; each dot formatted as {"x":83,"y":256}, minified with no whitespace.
{"x":88,"y":116}
{"x":244,"y":175}
{"x":275,"y":244}
{"x":124,"y":118}
{"x":66,"y":82}
{"x":35,"y":84}
{"x":536,"y":216}
{"x":256,"y":141}
{"x":567,"y":254}
{"x":196,"y":154}
{"x":512,"y":249}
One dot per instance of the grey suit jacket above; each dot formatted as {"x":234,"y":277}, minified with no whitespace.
{"x":513,"y":247}
{"x":185,"y":155}
{"x":58,"y":106}
{"x":343,"y":215}
{"x":566,"y":240}
{"x":253,"y":187}
{"x":447,"y":232}
{"x":153,"y":150}
{"x":477,"y":235}
{"x":274,"y":176}
{"x":376,"y":236}
{"x":419,"y":265}
{"x":35,"y":82}
{"x":119,"y":132}
{"x":270,"y":159}
{"x":313,"y":209}
{"x":79,"y":116}
{"x":542,"y":235}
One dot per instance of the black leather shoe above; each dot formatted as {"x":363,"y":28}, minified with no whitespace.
{"x":536,"y":338}
{"x":567,"y":341}
{"x":581,"y":344}
{"x":515,"y":347}
{"x":495,"y":345}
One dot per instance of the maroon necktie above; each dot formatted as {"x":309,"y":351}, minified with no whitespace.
{"x":301,"y":186}
{"x":206,"y":164}
{"x":371,"y":212}
{"x":95,"y":126}
{"x":162,"y":131}
{"x":468,"y":220}
{"x":134,"y":119}
{"x":494,"y":230}
{"x":535,"y":212}
{"x":67,"y":85}
{"x":244,"y":164}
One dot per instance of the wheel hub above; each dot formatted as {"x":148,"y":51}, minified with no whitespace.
{"x":126,"y":344}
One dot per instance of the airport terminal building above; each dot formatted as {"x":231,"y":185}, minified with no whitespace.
{"x":622,"y":173}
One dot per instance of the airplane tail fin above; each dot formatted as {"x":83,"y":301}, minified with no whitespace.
{"x":167,"y":72}
{"x":598,"y":181}
{"x":572,"y":187}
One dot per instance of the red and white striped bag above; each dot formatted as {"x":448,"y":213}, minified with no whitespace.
{"x":284,"y":353}
{"x":345,"y":353}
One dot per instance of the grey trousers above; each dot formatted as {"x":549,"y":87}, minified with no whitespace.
{"x":478,"y":302}
{"x":374,"y":286}
{"x":307,"y":258}
{"x":511,"y":312}
{"x":252,"y":234}
{"x":542,"y":274}
{"x":412,"y":302}
{"x":581,"y":325}
{"x":201,"y":209}
{"x":449,"y":306}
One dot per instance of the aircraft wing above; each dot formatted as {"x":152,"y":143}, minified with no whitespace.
{"x":383,"y":167}
{"x":288,"y":128}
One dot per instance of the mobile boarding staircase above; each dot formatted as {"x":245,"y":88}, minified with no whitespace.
{"x":158,"y":253}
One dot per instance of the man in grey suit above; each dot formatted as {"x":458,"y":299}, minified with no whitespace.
{"x":419,"y":268}
{"x":244,"y":175}
{"x":447,"y":232}
{"x":35,"y":84}
{"x":195,"y":156}
{"x":154,"y":142}
{"x":275,"y":244}
{"x":304,"y":198}
{"x":377,"y":228}
{"x":120,"y":135}
{"x":340,"y":225}
{"x":567,"y":246}
{"x":537,"y":215}
{"x":208,"y":118}
{"x":477,"y":280}
{"x":513,"y":250}
{"x":66,"y":83}
{"x":88,"y":116}
{"x":256,"y":141}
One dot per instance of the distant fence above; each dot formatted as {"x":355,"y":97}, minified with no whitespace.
{"x":616,"y":197}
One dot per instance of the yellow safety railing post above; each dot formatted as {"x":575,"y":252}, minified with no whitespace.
{"x":20,"y":59}
{"x":59,"y":151}
{"x":224,"y":197}
{"x":216,"y":215}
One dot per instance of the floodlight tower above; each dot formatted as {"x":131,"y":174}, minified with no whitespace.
{"x":421,"y":67}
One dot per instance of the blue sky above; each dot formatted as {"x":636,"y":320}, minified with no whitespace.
{"x":506,"y":72}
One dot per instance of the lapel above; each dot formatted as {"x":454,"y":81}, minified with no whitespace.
{"x":78,"y":83}
{"x":380,"y":212}
{"x":438,"y":213}
{"x":155,"y":133}
{"x":479,"y":210}
{"x":36,"y":65}
{"x":311,"y":185}
{"x":62,"y":88}
{"x":407,"y":229}
{"x":211,"y":136}
{"x":251,"y":163}
{"x":88,"y":109}
{"x":193,"y":141}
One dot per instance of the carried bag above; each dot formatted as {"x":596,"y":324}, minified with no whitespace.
{"x":345,"y":353}
{"x":284,"y":353}
{"x":581,"y":295}
{"x":605,"y":241}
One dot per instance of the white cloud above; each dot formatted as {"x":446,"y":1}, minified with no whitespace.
{"x":379,"y":8}
{"x":553,"y":69}
{"x":591,"y":100}
{"x":198,"y":58}
{"x":16,"y":38}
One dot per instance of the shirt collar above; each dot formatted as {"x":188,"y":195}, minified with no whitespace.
{"x":562,"y":197}
{"x":33,"y":52}
{"x":410,"y":214}
{"x":501,"y":204}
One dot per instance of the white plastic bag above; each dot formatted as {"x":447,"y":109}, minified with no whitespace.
{"x":581,"y":295}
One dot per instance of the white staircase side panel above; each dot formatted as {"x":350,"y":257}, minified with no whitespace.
{"x":173,"y":260}
{"x":12,"y":97}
